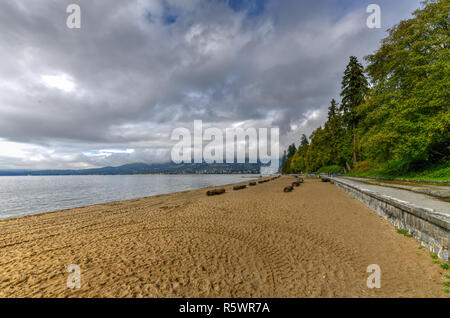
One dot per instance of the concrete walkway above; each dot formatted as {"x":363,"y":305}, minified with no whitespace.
{"x":405,"y":194}
{"x":439,"y":191}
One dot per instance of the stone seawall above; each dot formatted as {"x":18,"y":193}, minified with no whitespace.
{"x":429,"y":227}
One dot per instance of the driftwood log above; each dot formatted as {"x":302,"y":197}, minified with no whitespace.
{"x":215,"y":192}
{"x":288,"y":189}
{"x":239,"y":187}
{"x":252,"y":184}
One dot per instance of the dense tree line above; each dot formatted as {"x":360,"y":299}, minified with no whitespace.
{"x":396,"y":110}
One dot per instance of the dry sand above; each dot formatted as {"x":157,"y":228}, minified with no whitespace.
{"x":259,"y":242}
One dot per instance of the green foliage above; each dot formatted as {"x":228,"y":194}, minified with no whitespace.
{"x":444,"y":266}
{"x":333,"y":169}
{"x":393,"y":169}
{"x":399,"y":125}
{"x":407,"y":110}
{"x":404,"y":232}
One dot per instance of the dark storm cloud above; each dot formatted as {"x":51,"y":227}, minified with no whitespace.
{"x":138,"y":69}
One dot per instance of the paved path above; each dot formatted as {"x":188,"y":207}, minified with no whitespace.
{"x":439,"y":191}
{"x":406,"y":194}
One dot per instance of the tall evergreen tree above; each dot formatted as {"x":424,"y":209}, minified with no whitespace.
{"x":291,"y":150}
{"x":304,"y":143}
{"x":334,"y":126}
{"x":284,"y":160}
{"x":354,"y":89}
{"x":332,"y":110}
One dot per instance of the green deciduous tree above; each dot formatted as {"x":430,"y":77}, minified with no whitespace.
{"x":408,"y":108}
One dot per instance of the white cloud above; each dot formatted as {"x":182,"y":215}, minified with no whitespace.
{"x":62,"y":82}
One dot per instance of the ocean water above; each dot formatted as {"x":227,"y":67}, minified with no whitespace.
{"x":36,"y":194}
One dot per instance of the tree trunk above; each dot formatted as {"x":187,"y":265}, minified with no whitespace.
{"x":348,"y":167}
{"x":354,"y":144}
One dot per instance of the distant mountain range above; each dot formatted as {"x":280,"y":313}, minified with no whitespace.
{"x":144,"y":168}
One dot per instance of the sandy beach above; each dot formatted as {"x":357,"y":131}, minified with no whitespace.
{"x":316,"y":241}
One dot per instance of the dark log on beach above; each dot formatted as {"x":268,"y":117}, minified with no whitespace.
{"x":325,"y":180}
{"x":239,"y":187}
{"x":252,"y":184}
{"x":288,"y":189}
{"x":296,"y":183}
{"x":215,"y":192}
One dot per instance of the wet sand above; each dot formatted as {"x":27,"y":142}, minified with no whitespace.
{"x":316,"y":241}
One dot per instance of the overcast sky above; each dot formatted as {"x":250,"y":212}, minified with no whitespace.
{"x":112,"y":91}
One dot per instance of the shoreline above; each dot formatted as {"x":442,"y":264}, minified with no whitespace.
{"x":257,"y":242}
{"x":143,"y":197}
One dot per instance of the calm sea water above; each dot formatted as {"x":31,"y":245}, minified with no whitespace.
{"x":36,"y":194}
